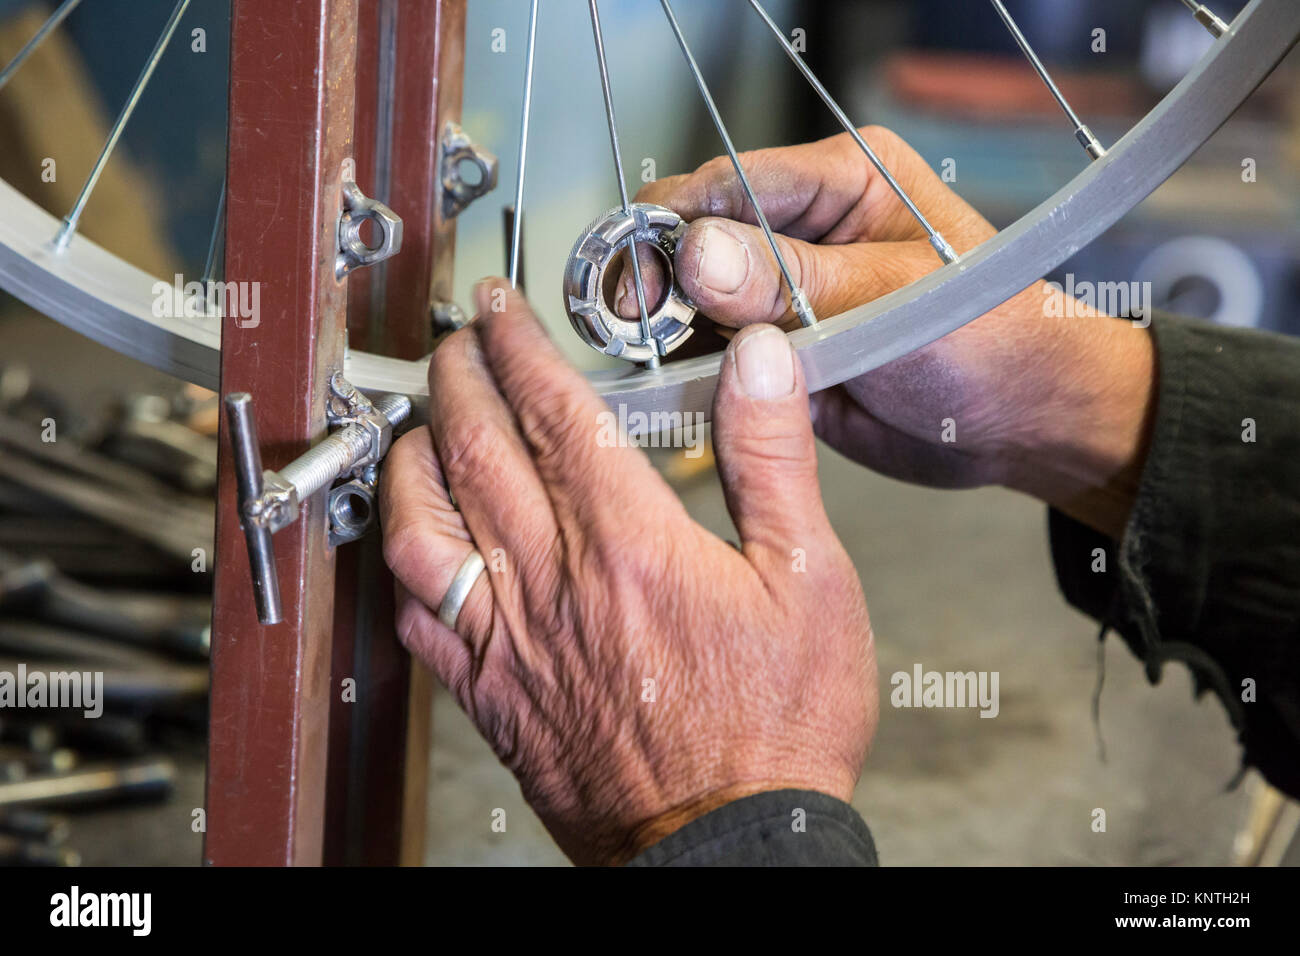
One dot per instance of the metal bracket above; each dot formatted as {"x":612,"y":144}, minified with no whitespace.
{"x":269,"y":500}
{"x":276,"y":507}
{"x":457,"y":149}
{"x":354,"y":252}
{"x":348,"y":405}
{"x":345,"y":403}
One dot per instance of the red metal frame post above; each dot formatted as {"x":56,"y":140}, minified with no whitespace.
{"x":290,"y":130}
{"x":410,"y":68}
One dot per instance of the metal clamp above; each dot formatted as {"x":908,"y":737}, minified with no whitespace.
{"x":458,"y":148}
{"x":354,"y":251}
{"x":270,"y":500}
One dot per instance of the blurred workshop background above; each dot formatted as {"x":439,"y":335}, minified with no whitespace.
{"x":91,"y":577}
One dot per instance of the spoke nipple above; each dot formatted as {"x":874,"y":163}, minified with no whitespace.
{"x":1210,"y":20}
{"x":803,"y":308}
{"x":946,"y":252}
{"x":63,"y":236}
{"x":1090,"y":142}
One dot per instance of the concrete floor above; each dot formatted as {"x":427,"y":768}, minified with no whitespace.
{"x":954,"y":581}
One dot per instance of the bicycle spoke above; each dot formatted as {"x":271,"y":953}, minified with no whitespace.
{"x":1081,"y":131}
{"x":218,"y":239}
{"x":71,"y":219}
{"x":941,"y":246}
{"x":516,"y":234}
{"x":48,"y":27}
{"x":798,"y":301}
{"x":653,"y":361}
{"x":1207,"y":18}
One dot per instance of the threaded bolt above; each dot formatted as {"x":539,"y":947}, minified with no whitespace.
{"x":318,"y":467}
{"x":396,"y":408}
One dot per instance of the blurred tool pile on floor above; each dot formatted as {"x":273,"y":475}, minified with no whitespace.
{"x":106,"y":522}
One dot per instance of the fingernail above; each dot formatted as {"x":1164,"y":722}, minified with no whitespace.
{"x":724,"y":261}
{"x":765,"y":363}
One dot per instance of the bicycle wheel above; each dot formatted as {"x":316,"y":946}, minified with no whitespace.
{"x":73,"y":280}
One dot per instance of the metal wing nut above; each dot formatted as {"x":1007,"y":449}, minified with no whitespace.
{"x":354,"y":252}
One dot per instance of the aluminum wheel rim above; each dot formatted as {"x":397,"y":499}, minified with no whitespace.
{"x":92,"y":291}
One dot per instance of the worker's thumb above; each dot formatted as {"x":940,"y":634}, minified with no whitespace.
{"x":728,"y":270}
{"x":767,"y":458}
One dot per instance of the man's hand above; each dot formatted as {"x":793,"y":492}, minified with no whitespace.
{"x":1052,"y":406}
{"x":630,"y":668}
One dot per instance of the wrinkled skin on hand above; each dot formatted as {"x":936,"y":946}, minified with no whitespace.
{"x":1011,"y":381}
{"x":630,"y":668}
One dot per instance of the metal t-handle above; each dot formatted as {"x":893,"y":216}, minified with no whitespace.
{"x":248,"y":477}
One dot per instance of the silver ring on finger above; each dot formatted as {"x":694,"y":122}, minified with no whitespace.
{"x":458,"y":591}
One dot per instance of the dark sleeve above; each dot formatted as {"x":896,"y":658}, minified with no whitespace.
{"x":777,"y":828}
{"x":1208,"y":571}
